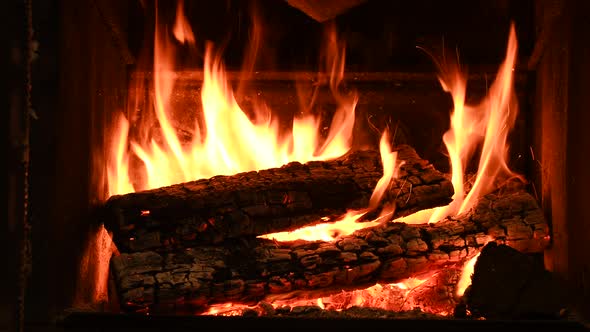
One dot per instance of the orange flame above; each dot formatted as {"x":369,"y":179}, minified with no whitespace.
{"x":225,"y":309}
{"x":182,"y":29}
{"x":228,"y":141}
{"x":488,"y":122}
{"x":390,"y":170}
{"x":348,"y":223}
{"x":324,"y":231}
{"x":119,"y":162}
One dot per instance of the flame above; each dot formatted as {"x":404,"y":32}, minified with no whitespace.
{"x":465,"y":279}
{"x":487,"y":123}
{"x":348,"y":223}
{"x":182,"y":29}
{"x":226,"y":309}
{"x":227,"y":141}
{"x":417,"y":218}
{"x":390,"y":170}
{"x":409,"y":283}
{"x":119,"y":162}
{"x":320,"y":303}
{"x":323,"y":231}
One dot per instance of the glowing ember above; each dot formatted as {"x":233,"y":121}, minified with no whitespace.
{"x":226,"y":309}
{"x":226,"y":141}
{"x":395,"y":296}
{"x":92,"y":285}
{"x":409,"y":283}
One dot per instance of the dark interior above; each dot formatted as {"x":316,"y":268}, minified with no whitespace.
{"x":70,"y":64}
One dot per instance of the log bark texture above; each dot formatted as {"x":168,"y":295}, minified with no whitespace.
{"x":507,"y":284}
{"x":268,"y":201}
{"x":248,"y":271}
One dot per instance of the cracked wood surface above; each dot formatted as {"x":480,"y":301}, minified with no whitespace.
{"x":279,"y":199}
{"x":250,"y":270}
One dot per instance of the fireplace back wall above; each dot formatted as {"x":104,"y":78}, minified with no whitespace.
{"x":87,"y":50}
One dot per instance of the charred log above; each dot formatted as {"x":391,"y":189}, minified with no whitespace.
{"x":267,"y":201}
{"x":248,"y":271}
{"x":507,"y":284}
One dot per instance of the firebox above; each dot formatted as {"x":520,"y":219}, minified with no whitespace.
{"x":298,"y":164}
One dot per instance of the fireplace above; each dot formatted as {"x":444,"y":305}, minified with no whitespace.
{"x":309,"y":113}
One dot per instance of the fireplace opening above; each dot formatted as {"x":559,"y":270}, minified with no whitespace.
{"x":179,"y":162}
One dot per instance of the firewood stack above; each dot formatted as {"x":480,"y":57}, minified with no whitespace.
{"x":188,"y":246}
{"x":210,"y":211}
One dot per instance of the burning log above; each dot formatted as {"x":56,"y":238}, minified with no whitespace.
{"x":248,"y":271}
{"x":267,"y":201}
{"x":507,"y":284}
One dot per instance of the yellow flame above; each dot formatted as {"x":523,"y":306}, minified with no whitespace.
{"x":320,"y":303}
{"x":487,"y":123}
{"x":225,"y":309}
{"x":227,"y":141}
{"x":501,"y":111}
{"x":417,"y":218}
{"x":410,"y":283}
{"x":465,"y":279}
{"x":348,"y":224}
{"x":388,"y":160}
{"x":324,"y":231}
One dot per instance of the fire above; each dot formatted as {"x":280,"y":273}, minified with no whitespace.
{"x":465,"y":279}
{"x":488,"y":122}
{"x":119,"y":163}
{"x":182,"y":29}
{"x":348,"y":223}
{"x":323,"y":231}
{"x":390,"y":170}
{"x":225,"y":139}
{"x":226,"y":309}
